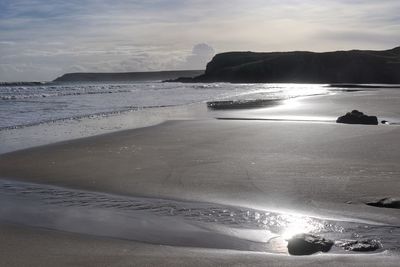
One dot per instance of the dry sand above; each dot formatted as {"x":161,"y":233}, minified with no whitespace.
{"x":305,"y":167}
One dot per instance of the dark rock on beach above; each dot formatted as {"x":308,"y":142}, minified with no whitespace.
{"x":360,"y":245}
{"x":357,"y":117}
{"x":307,"y":244}
{"x":388,"y":202}
{"x":242,"y":104}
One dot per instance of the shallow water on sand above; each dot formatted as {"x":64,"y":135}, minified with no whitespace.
{"x":173,"y":222}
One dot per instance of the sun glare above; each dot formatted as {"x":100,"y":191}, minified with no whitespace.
{"x":299,"y":224}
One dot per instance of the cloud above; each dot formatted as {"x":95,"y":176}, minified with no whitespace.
{"x":201,"y":55}
{"x":358,"y":37}
{"x":55,"y":36}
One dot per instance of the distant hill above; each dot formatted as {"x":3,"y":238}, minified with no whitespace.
{"x":126,"y":76}
{"x":4,"y":84}
{"x":355,"y":66}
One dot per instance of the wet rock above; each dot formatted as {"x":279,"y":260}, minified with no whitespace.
{"x":306,"y":244}
{"x":387,"y":202}
{"x":242,"y":104}
{"x":360,"y":245}
{"x":357,"y":117}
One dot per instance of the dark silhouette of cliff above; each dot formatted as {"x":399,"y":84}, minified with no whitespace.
{"x":355,"y":66}
{"x":126,"y":76}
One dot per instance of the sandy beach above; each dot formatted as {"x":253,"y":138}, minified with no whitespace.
{"x":64,"y":249}
{"x":292,"y":159}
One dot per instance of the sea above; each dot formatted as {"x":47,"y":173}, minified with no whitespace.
{"x":38,"y":115}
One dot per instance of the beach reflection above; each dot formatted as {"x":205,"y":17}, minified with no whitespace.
{"x":173,"y":222}
{"x":293,"y":225}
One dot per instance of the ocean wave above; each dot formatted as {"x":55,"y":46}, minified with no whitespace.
{"x":16,"y":93}
{"x":30,"y":105}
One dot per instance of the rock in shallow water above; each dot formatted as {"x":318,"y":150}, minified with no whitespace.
{"x":357,"y":117}
{"x":360,"y":245}
{"x":242,"y":104}
{"x":307,"y":244}
{"x":387,"y":202}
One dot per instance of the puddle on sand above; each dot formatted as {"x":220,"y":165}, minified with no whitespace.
{"x":173,"y":222}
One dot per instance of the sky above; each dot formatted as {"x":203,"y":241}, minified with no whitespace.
{"x":42,"y":39}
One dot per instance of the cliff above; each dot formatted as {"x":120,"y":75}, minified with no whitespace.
{"x":125,"y":76}
{"x":355,"y":66}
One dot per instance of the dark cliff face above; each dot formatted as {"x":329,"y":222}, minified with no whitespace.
{"x":355,"y":66}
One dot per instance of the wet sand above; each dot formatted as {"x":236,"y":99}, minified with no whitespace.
{"x":314,"y":168}
{"x":41,"y":247}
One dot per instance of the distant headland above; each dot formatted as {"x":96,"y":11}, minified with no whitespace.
{"x":126,"y":76}
{"x":111,"y":77}
{"x":355,"y":66}
{"x":4,"y":84}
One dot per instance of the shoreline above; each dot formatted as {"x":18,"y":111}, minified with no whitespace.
{"x":63,"y":130}
{"x":37,"y":134}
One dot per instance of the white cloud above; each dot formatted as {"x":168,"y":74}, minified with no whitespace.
{"x":201,"y":55}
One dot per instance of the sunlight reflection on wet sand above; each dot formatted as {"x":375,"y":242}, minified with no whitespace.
{"x":172,"y":222}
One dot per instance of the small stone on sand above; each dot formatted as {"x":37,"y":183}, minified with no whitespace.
{"x":357,"y":117}
{"x":359,"y":245}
